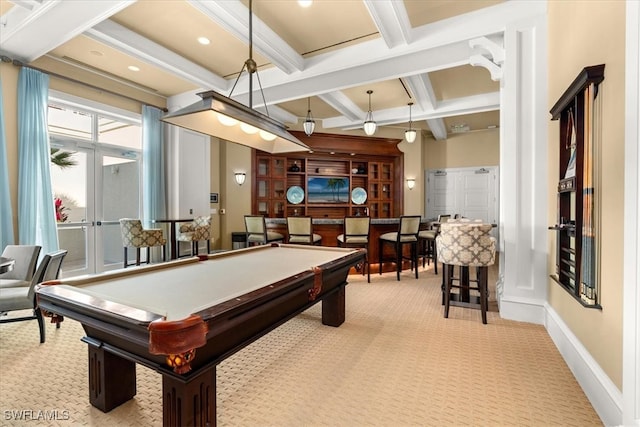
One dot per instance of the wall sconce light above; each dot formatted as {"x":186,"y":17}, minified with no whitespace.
{"x":411,"y":183}
{"x":240,"y":177}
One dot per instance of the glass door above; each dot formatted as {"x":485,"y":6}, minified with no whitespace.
{"x":97,"y":188}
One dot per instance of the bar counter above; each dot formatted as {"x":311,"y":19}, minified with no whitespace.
{"x":330,"y":228}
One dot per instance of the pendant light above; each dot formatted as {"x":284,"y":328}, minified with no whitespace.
{"x":410,"y":134}
{"x":309,"y":124}
{"x":369,"y":124}
{"x":225,"y":118}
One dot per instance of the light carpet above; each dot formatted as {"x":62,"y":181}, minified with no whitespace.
{"x":396,"y":361}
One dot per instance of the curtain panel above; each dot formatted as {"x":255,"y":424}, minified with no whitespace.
{"x":6,"y":209}
{"x":36,"y":212}
{"x":154,"y":186}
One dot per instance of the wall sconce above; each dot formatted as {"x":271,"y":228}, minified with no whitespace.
{"x":240,"y":177}
{"x":411,"y":183}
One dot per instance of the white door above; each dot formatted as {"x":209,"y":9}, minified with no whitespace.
{"x":468,"y":192}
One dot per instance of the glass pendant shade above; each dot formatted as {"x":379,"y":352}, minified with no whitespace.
{"x":309,"y":124}
{"x":410,"y":134}
{"x":369,"y":125}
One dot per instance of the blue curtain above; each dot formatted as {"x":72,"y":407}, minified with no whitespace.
{"x":153,"y":165}
{"x":6,"y":210}
{"x":36,"y":213}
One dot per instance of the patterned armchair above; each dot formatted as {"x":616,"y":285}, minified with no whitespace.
{"x":135,"y":236}
{"x":466,"y":244}
{"x":195,"y":231}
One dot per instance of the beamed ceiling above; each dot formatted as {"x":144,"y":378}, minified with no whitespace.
{"x":444,"y":56}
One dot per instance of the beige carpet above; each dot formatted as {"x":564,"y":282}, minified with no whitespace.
{"x":394,"y":362}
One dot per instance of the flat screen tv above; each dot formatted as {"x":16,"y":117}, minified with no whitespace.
{"x":328,"y":189}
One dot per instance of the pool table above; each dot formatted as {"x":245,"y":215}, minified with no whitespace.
{"x":182,"y":318}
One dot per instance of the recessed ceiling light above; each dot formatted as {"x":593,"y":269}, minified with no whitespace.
{"x":204,"y":41}
{"x":133,"y":68}
{"x":305,"y":3}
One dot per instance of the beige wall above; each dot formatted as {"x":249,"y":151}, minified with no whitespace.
{"x":479,"y":148}
{"x":592,"y":34}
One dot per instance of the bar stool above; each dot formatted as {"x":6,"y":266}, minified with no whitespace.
{"x":355,"y":234}
{"x":466,"y":244}
{"x":134,"y":235}
{"x":407,"y":234}
{"x":300,"y":231}
{"x":257,"y":233}
{"x":427,"y":242}
{"x":193,"y":232}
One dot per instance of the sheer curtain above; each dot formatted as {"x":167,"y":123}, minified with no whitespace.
{"x":6,"y":210}
{"x":153,"y":165}
{"x":36,"y":222}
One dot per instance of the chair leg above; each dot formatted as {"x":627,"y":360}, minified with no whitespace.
{"x":208,"y":246}
{"x":435,"y":257}
{"x":482,"y":285}
{"x":148,"y":254}
{"x":125,"y":257}
{"x":414,"y":256}
{"x":164,"y":253}
{"x":40,"y":318}
{"x":398,"y":260}
{"x":380,"y":248}
{"x":447,"y":277}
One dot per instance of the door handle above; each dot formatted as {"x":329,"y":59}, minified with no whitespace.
{"x":98,"y":223}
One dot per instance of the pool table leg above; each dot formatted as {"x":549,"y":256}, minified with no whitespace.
{"x":112,"y":379}
{"x":333,"y":307}
{"x":191,"y":403}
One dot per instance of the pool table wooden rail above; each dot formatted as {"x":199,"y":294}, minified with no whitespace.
{"x":117,"y":340}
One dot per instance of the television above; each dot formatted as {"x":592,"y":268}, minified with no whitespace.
{"x":328,"y":189}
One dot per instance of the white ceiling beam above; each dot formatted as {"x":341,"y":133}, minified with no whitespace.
{"x":392,"y":21}
{"x":422,"y":90}
{"x":234,"y":17}
{"x":28,"y":34}
{"x":120,"y":38}
{"x":452,"y":107}
{"x":342,"y":104}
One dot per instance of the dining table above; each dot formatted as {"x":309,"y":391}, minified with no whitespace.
{"x":6,"y":264}
{"x":173,"y":232}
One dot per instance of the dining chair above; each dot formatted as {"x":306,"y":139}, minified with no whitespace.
{"x":195,"y":231}
{"x":24,"y":297}
{"x":257,"y":233}
{"x":25,"y":262}
{"x":355,"y":234}
{"x":134,"y":235}
{"x":300,"y":231}
{"x":407,"y":234}
{"x":465,"y":245}
{"x":427,"y":242}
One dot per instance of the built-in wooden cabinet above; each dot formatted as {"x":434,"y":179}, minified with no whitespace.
{"x":578,"y":111}
{"x":356,"y":176}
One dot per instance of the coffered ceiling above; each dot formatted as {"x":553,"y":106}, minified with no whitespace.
{"x":329,"y":53}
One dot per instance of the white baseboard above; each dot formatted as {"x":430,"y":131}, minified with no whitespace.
{"x":604,"y":396}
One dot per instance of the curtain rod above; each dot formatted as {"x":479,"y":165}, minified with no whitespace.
{"x":60,"y":76}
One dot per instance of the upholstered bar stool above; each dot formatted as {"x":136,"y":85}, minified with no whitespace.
{"x":300,"y":231}
{"x":134,"y":235}
{"x":355,"y":234}
{"x":407,"y":234}
{"x":465,"y":245}
{"x":257,"y":234}
{"x":427,"y":242}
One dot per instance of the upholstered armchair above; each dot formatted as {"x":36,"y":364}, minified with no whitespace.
{"x":195,"y":231}
{"x":26,"y":259}
{"x":135,"y":236}
{"x":24,"y":298}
